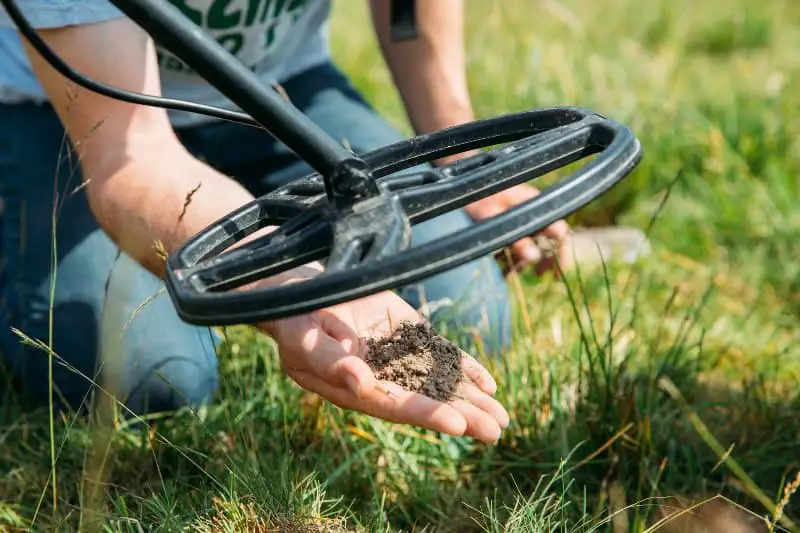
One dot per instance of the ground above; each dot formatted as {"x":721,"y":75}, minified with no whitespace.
{"x":634,"y":391}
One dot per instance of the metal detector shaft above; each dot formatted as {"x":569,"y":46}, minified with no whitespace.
{"x":170,"y":28}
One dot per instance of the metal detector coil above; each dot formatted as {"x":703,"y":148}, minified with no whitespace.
{"x":355,"y":212}
{"x":366,"y":246}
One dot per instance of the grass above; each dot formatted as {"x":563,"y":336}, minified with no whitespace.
{"x":634,"y":391}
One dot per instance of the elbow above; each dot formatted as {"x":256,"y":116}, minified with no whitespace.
{"x":109,"y":189}
{"x":118,"y":176}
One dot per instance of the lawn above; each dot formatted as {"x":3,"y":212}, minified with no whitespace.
{"x":635,"y":391}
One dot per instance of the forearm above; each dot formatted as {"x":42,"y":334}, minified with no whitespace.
{"x":160,"y":198}
{"x":429,"y":71}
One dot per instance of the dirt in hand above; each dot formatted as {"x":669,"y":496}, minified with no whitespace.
{"x":419,"y":360}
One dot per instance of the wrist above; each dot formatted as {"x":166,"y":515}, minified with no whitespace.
{"x":296,"y":275}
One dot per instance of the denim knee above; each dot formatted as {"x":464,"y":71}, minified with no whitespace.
{"x":90,"y":310}
{"x":166,"y":364}
{"x":153,"y":379}
{"x":113,"y":334}
{"x":171,"y":383}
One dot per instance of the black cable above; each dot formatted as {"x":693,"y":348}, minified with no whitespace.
{"x":57,"y":63}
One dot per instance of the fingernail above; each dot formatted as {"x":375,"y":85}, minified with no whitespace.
{"x":353,"y":384}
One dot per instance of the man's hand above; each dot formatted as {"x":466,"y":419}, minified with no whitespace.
{"x":525,"y":252}
{"x":429,"y":73}
{"x":323,"y":353}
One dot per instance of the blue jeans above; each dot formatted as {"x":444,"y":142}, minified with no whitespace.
{"x":166,"y":362}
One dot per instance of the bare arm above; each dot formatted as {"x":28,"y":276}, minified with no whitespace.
{"x":138,"y":175}
{"x":138,"y":178}
{"x":430,"y":75}
{"x":430,"y":71}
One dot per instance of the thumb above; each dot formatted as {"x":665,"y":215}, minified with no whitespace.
{"x":329,"y":361}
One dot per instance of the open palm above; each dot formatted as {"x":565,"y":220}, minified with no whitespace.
{"x":323,"y":352}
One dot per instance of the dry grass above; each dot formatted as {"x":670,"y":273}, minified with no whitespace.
{"x":597,"y":442}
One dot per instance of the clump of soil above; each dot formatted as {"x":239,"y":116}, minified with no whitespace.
{"x":415,"y":357}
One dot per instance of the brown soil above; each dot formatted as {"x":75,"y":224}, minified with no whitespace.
{"x":418,"y":359}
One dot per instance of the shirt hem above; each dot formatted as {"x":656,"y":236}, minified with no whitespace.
{"x":45,"y":15}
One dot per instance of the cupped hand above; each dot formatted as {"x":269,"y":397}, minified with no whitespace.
{"x":524,"y":252}
{"x":323,"y":352}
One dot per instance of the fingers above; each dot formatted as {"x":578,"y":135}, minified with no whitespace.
{"x":558,"y":230}
{"x":330,"y":361}
{"x":486,"y":417}
{"x":478,"y":374}
{"x":524,"y":253}
{"x":342,"y":331}
{"x":322,"y":355}
{"x":484,"y":420}
{"x":475,"y":414}
{"x":480,"y":424}
{"x":405,"y":406}
{"x":486,"y":404}
{"x":399,"y":406}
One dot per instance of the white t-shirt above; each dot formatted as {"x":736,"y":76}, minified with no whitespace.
{"x":275,"y":38}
